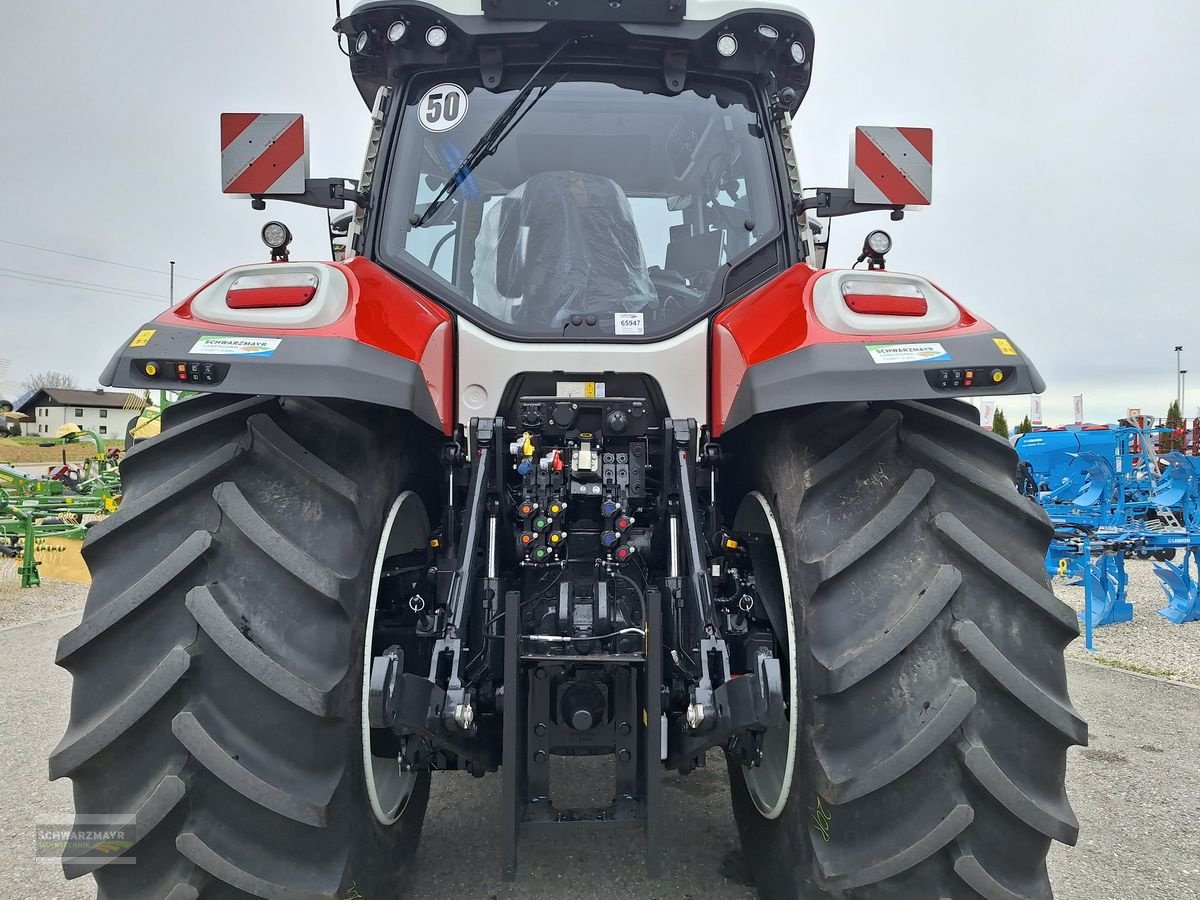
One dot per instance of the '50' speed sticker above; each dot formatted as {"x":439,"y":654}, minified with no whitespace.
{"x":442,"y":107}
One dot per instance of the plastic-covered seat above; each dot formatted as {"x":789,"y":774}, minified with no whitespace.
{"x":562,"y":243}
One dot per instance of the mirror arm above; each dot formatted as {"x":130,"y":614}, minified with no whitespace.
{"x":327,"y":193}
{"x":828,"y":202}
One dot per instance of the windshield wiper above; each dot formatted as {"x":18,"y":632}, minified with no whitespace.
{"x":500,"y":129}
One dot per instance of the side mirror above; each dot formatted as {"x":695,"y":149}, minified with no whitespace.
{"x":339,"y":235}
{"x":820,"y":236}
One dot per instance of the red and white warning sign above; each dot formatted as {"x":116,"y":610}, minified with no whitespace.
{"x":263,"y":153}
{"x":892,"y":165}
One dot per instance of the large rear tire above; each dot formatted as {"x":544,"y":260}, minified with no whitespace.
{"x":930,"y":740}
{"x":219,"y":665}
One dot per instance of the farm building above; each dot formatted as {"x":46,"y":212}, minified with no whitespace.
{"x":107,"y":413}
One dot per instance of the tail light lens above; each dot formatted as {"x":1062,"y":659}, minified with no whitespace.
{"x":271,"y":291}
{"x":884,"y":298}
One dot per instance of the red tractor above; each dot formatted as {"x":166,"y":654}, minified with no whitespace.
{"x":579,"y":450}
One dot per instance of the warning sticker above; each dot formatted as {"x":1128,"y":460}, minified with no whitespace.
{"x":904,"y":353}
{"x":1005,"y":347}
{"x":142,"y":338}
{"x":442,"y":107}
{"x":629,"y":323}
{"x":227,"y":345}
{"x":579,"y":389}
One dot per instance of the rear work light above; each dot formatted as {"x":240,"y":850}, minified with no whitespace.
{"x":271,"y":291}
{"x":877,"y":297}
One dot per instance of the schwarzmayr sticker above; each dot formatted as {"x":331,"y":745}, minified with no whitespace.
{"x":904,"y":353}
{"x":225,"y":345}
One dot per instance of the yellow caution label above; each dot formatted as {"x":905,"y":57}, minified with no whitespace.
{"x":1005,"y":347}
{"x":142,"y":338}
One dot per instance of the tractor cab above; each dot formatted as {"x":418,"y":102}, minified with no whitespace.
{"x":574,"y":170}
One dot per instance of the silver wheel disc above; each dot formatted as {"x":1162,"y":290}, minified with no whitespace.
{"x":406,"y":529}
{"x":770,"y":782}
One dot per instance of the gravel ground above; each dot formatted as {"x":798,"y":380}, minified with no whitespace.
{"x":1135,"y":789}
{"x":52,"y":599}
{"x":1149,"y":643}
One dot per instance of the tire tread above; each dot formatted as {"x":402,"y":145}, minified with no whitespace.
{"x":75,"y":751}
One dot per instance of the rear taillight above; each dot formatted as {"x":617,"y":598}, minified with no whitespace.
{"x":877,"y":297}
{"x":271,"y":291}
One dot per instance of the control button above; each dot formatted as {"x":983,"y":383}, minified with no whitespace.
{"x":183,"y":376}
{"x":576,"y":320}
{"x":206,"y":368}
{"x":180,"y":367}
{"x":194,"y":368}
{"x":591,"y":320}
{"x":617,"y":421}
{"x":997,"y":376}
{"x":970,"y":373}
{"x":151,"y":369}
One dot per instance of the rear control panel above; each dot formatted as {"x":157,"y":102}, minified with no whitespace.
{"x":180,"y":371}
{"x":583,"y":461}
{"x":970,"y":377}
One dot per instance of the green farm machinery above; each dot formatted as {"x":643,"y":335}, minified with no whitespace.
{"x":38,"y":513}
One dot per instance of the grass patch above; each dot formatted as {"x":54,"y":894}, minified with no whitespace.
{"x":26,"y":450}
{"x":1135,"y":667}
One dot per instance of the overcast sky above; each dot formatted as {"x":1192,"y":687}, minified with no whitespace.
{"x":1066,"y":172}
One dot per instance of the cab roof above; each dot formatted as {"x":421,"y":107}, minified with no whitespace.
{"x":688,"y":10}
{"x":676,"y":36}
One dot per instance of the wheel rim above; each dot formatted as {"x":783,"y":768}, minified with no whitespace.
{"x":770,"y":782}
{"x":406,"y":529}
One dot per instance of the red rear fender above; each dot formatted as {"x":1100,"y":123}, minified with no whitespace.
{"x":810,"y":336}
{"x":362,"y":335}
